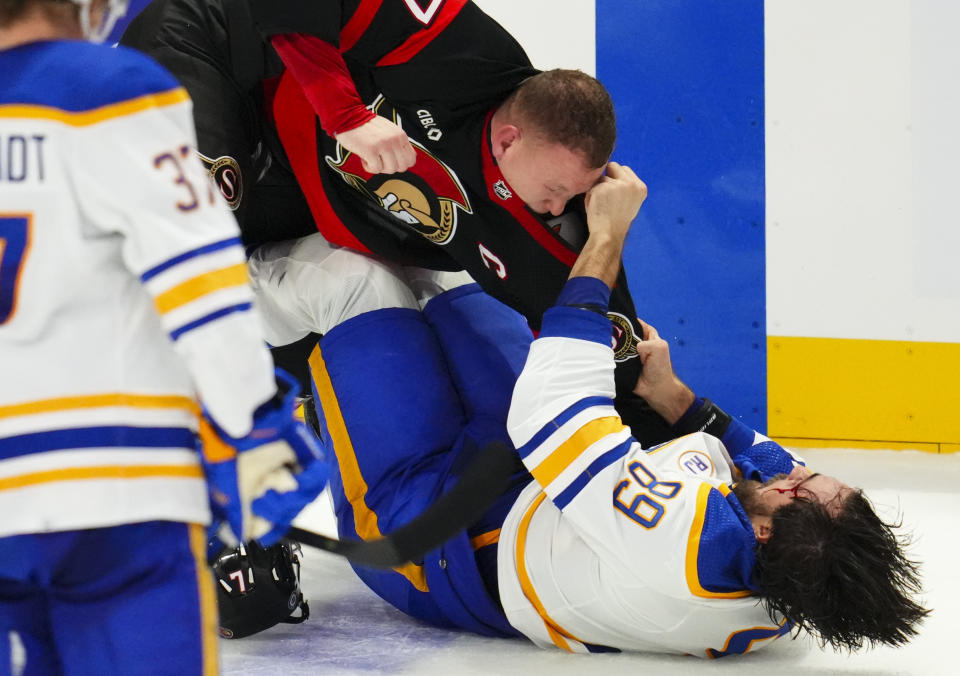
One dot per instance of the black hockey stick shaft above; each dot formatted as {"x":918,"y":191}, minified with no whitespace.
{"x":379,"y":553}
{"x":484,"y":480}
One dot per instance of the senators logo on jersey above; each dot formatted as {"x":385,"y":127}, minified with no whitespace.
{"x":225,"y":172}
{"x":624,"y":340}
{"x":425,"y":197}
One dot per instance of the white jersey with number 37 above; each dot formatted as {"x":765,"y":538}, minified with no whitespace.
{"x":124,"y":300}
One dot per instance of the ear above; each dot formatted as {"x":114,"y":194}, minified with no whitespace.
{"x":762,"y":528}
{"x":502,"y":137}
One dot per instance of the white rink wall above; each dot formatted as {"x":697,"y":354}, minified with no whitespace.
{"x":551,"y":38}
{"x":863,"y":169}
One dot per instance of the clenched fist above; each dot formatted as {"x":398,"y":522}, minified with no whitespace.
{"x":382,"y":146}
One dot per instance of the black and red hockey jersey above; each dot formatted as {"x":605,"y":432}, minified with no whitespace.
{"x":438,"y":68}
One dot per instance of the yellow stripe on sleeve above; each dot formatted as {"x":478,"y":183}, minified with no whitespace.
{"x":595,"y":430}
{"x":354,"y":485}
{"x":201,"y":285}
{"x":693,"y":552}
{"x":102,"y":472}
{"x":87,"y":117}
{"x":485,"y":539}
{"x":119,"y":399}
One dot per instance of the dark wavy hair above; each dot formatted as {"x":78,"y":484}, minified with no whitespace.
{"x":843,"y":577}
{"x":571,"y":108}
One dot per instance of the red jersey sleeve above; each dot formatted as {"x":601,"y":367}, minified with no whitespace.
{"x":322,"y":74}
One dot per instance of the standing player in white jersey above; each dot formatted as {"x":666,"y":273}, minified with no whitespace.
{"x":126,"y":327}
{"x":598,"y":544}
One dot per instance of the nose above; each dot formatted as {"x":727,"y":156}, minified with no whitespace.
{"x":555,"y":205}
{"x":798,"y":473}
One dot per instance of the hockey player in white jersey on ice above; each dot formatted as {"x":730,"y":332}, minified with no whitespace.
{"x":712,"y":544}
{"x":678,"y":559}
{"x":126,"y":329}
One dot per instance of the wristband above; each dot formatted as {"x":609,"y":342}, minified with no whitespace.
{"x":708,"y":418}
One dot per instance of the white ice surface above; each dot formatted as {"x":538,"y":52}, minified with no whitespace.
{"x":351,"y":631}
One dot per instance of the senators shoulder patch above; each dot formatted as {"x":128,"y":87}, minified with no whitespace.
{"x":225,"y":172}
{"x":624,"y":340}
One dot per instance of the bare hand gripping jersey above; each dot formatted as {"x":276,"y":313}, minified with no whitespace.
{"x":124,"y":299}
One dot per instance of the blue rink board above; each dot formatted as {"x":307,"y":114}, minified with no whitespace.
{"x":687,"y":81}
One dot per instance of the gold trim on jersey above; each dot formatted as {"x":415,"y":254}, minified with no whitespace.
{"x":693,"y":551}
{"x":557,"y":634}
{"x":106,"y":400}
{"x":208,"y":601}
{"x":485,"y":539}
{"x":733,"y":635}
{"x":354,"y":485}
{"x":560,"y":458}
{"x":102,"y":472}
{"x":201,"y":285}
{"x":84,"y":118}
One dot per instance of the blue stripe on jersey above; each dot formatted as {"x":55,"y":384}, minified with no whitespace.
{"x":552,"y":425}
{"x":194,"y":253}
{"x":740,"y":642}
{"x":585,"y":290}
{"x":597,"y":466}
{"x":600,"y":648}
{"x":571,"y":322}
{"x":77,"y":76}
{"x":97,"y":437}
{"x":206,"y":319}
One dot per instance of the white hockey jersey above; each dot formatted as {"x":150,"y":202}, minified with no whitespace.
{"x":612,"y":546}
{"x":124,"y":299}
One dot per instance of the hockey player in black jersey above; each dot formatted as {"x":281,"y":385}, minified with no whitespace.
{"x":299,"y":127}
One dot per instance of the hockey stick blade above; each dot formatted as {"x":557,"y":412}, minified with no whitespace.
{"x":484,"y":480}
